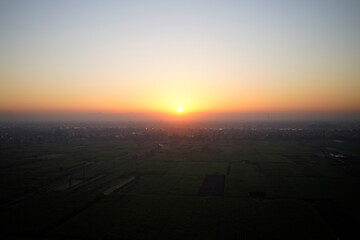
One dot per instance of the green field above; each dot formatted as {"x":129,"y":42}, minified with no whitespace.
{"x":124,"y":189}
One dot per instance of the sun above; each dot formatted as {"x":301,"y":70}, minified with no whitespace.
{"x":179,"y":110}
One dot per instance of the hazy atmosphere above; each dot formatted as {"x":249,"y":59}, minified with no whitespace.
{"x":153,"y":57}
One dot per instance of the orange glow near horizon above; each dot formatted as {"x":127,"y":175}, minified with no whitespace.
{"x":162,"y":101}
{"x":208,"y":62}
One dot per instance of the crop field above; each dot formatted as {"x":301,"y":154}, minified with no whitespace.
{"x":180,"y":189}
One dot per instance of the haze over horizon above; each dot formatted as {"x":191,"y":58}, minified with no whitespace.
{"x":217,"y":60}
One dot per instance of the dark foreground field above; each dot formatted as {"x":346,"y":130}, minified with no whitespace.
{"x":181,"y":189}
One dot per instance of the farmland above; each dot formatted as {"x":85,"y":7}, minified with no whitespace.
{"x":181,"y":188}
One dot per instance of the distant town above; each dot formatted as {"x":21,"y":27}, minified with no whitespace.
{"x":21,"y":133}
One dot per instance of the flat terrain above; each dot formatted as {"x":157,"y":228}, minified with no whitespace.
{"x":180,"y":189}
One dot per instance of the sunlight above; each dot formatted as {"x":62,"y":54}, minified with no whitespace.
{"x":179,"y":110}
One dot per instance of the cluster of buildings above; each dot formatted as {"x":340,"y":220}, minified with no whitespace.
{"x":47,"y":133}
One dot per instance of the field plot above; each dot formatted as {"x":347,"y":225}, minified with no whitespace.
{"x":117,"y":185}
{"x":164,"y":217}
{"x":213,"y":185}
{"x":297,"y":159}
{"x":43,"y":212}
{"x":186,"y":189}
{"x":165,"y":185}
{"x":75,"y":183}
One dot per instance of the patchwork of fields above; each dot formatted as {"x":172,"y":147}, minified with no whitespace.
{"x":180,"y":189}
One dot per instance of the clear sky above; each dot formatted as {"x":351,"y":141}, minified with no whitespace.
{"x":157,"y":56}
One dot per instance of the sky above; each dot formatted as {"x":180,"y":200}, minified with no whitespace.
{"x":153,"y":57}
